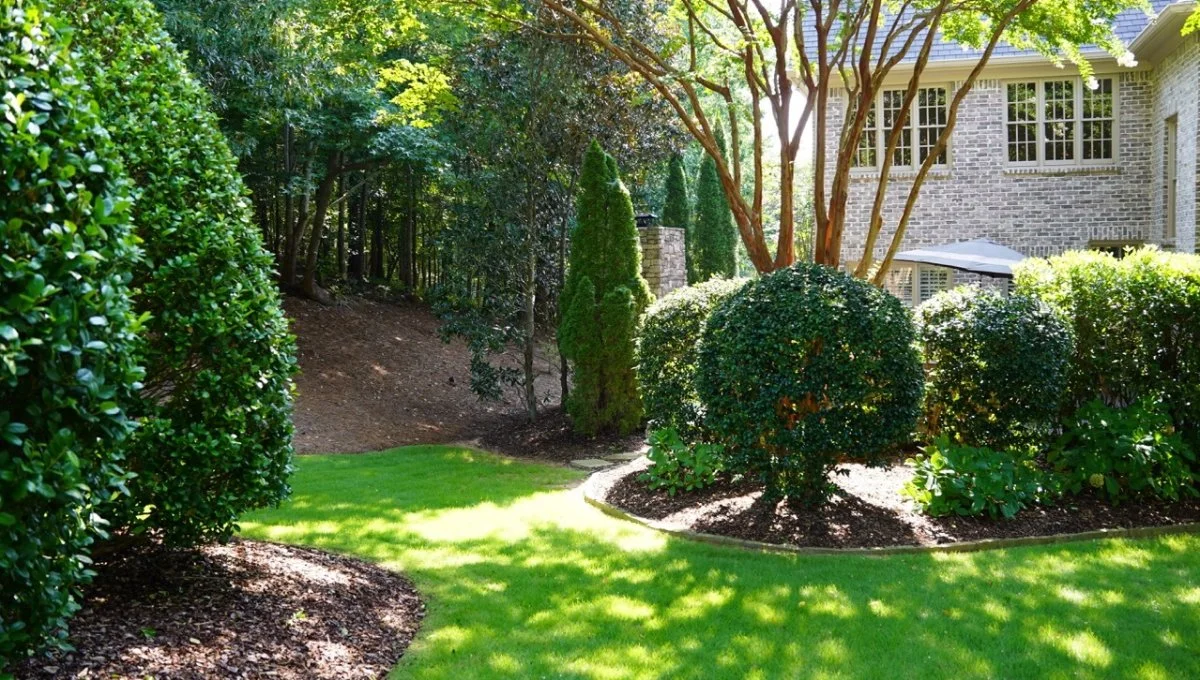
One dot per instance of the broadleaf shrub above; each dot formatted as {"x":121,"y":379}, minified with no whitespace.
{"x":668,"y":350}
{"x":802,"y":367}
{"x":953,"y":479}
{"x":997,"y":367}
{"x":1136,"y":323}
{"x":676,"y":465}
{"x":215,"y":434}
{"x":67,"y":343}
{"x":1123,"y":453}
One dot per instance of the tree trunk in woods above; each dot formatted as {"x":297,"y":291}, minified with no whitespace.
{"x":357,"y":227}
{"x":324,"y":195}
{"x":341,"y":232}
{"x":377,"y":240}
{"x":528,"y":315}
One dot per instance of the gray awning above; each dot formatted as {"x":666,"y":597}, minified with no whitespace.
{"x":981,"y":256}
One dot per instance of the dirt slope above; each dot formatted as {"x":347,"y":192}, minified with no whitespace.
{"x":376,"y":375}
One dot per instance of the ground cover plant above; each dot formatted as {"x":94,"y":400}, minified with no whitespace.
{"x":524,"y":581}
{"x":954,"y":479}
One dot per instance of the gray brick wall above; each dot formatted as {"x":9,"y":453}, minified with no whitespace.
{"x":663,"y":263}
{"x":1177,"y":80}
{"x":1037,"y":212}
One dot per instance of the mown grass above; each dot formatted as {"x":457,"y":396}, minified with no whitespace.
{"x":524,"y":580}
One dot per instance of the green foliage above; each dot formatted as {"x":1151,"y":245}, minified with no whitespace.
{"x":668,"y":351}
{"x":997,"y":367}
{"x":67,"y":344}
{"x":605,"y":253}
{"x":952,"y":479}
{"x":579,"y":335}
{"x":215,"y":435}
{"x":679,"y":466}
{"x":714,"y":248}
{"x":1123,"y":453}
{"x":802,"y":367}
{"x":1136,"y":323}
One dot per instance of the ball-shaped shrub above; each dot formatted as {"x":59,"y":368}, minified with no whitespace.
{"x":67,"y":342}
{"x":997,"y":367}
{"x":215,"y":433}
{"x":668,"y":351}
{"x":802,"y":367}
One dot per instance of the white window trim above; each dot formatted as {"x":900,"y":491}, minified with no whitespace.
{"x":916,"y":267}
{"x":914,"y":136}
{"x":1040,"y":127}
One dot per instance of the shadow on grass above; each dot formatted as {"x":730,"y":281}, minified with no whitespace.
{"x":537,"y":584}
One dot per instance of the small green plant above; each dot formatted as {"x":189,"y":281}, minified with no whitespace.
{"x":951,"y":479}
{"x":1121,"y":453}
{"x":678,"y":466}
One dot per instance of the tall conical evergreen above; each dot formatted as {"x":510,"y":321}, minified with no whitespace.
{"x":677,"y":211}
{"x":604,"y":296}
{"x":714,"y":251}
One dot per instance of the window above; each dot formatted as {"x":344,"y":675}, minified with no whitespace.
{"x":1171,"y":174}
{"x":1060,"y":122}
{"x":1117,"y":249}
{"x":916,"y":283}
{"x":924,"y":124}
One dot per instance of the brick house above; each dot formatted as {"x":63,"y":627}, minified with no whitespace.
{"x":1039,"y":161}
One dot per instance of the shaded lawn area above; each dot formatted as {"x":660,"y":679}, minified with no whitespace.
{"x":525,"y":580}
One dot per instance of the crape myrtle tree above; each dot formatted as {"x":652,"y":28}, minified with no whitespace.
{"x":714,"y":247}
{"x":604,"y":296}
{"x":779,"y":64}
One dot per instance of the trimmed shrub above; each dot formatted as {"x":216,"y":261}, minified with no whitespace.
{"x":677,"y":466}
{"x":951,"y":479}
{"x":1136,"y":323}
{"x":997,"y":367}
{"x":803,"y":367}
{"x":668,"y":352}
{"x":215,"y":435}
{"x":1123,"y":453}
{"x":67,"y":344}
{"x":598,"y":327}
{"x":677,"y":213}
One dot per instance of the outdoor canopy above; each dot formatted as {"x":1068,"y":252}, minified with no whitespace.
{"x":982,"y":256}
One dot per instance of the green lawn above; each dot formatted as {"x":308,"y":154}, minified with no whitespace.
{"x":525,"y":580}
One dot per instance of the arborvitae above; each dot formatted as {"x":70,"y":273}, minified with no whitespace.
{"x":715,"y":247}
{"x":677,"y":212}
{"x":605,"y":258}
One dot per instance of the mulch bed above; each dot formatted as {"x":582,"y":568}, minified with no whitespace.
{"x":869,"y":512}
{"x":550,"y":438}
{"x":243,"y":610}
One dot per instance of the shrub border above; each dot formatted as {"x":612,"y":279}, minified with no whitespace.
{"x":590,"y":495}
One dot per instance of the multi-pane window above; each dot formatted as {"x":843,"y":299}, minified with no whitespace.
{"x":916,"y":283}
{"x":924,"y":124}
{"x":1060,"y":122}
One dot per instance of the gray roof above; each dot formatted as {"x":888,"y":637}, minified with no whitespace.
{"x":981,"y":255}
{"x":1127,"y":26}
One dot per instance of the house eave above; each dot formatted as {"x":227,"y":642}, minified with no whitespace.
{"x":1162,"y":36}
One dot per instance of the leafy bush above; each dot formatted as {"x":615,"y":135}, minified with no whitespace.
{"x":680,"y":466}
{"x":997,"y":367}
{"x":715,"y":238}
{"x":1122,"y":453}
{"x":952,"y":479}
{"x":668,"y":351}
{"x":215,"y":435}
{"x":802,"y":367}
{"x":67,"y":344}
{"x":1136,"y":323}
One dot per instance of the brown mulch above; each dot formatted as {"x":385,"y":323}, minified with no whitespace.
{"x":244,"y":610}
{"x":550,"y":438}
{"x":376,"y":375}
{"x":868,"y":513}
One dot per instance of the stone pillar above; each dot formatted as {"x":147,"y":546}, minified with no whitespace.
{"x":663,"y":262}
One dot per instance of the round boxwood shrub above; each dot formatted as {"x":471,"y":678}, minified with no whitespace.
{"x":67,"y":342}
{"x":215,"y":432}
{"x":667,"y":353}
{"x":803,"y":367}
{"x":996,"y":367}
